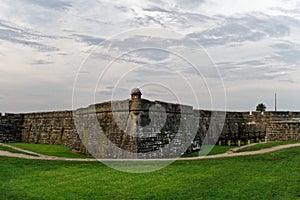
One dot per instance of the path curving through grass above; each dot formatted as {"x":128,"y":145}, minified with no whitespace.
{"x":224,"y":155}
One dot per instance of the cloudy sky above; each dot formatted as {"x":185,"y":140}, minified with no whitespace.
{"x":229,"y":54}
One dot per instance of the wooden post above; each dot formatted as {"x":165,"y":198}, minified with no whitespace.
{"x":249,"y":141}
{"x":239,"y":143}
{"x":229,"y":142}
{"x":220,"y":142}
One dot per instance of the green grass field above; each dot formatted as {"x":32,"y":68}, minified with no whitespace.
{"x":3,"y":148}
{"x":270,"y":176}
{"x":51,"y":150}
{"x":63,"y":151}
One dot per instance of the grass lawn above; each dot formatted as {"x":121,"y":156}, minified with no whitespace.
{"x":51,"y":150}
{"x":274,"y":175}
{"x":266,"y":145}
{"x":3,"y":148}
{"x":215,"y":150}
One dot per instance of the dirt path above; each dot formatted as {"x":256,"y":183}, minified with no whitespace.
{"x":245,"y":153}
{"x":36,"y":156}
{"x":224,"y":155}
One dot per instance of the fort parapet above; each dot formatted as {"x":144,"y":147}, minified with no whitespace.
{"x":145,"y":129}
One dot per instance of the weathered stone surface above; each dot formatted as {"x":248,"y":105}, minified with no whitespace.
{"x":139,"y":128}
{"x":283,"y":130}
{"x":11,"y":126}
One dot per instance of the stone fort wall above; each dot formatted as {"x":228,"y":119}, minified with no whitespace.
{"x":283,"y":130}
{"x":11,"y":126}
{"x":143,"y":128}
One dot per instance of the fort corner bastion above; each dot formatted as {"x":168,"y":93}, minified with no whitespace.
{"x":140,"y":128}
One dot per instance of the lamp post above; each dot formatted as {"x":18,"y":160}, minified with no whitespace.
{"x":275,"y":102}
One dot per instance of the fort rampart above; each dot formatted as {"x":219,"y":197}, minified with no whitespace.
{"x":143,"y":127}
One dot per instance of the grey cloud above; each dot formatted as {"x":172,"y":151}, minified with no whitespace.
{"x":168,"y":72}
{"x":147,"y":20}
{"x":52,"y":4}
{"x":160,"y":2}
{"x":189,"y":4}
{"x":157,"y":55}
{"x":295,"y":11}
{"x":203,"y":71}
{"x":138,"y":42}
{"x":254,"y":70}
{"x":288,"y":56}
{"x":273,"y":26}
{"x":246,"y":28}
{"x":90,"y":40}
{"x":41,"y":62}
{"x":9,"y":29}
{"x":180,"y":15}
{"x":24,"y":37}
{"x":159,"y":94}
{"x":279,"y":65}
{"x":127,"y":58}
{"x":111,"y":91}
{"x":252,"y":62}
{"x":287,"y":52}
{"x":148,"y":70}
{"x":182,"y":18}
{"x":282,"y":46}
{"x":122,"y":8}
{"x":62,"y":53}
{"x":156,"y":9}
{"x":142,"y":50}
{"x":130,"y":59}
{"x":7,"y":34}
{"x":84,"y":72}
{"x":196,"y":17}
{"x":39,"y":46}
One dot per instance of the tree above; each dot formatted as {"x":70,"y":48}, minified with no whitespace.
{"x":261,"y":107}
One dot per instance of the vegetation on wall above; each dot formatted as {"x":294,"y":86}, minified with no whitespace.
{"x":39,"y":135}
{"x":163,"y":135}
{"x":104,"y":128}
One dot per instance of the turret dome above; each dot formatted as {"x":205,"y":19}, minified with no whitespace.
{"x":136,"y":91}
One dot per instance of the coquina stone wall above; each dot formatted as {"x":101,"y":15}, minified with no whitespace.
{"x":121,"y":130}
{"x":50,"y":128}
{"x":105,"y":131}
{"x":11,"y":126}
{"x":283,"y":130}
{"x":165,"y":129}
{"x":139,"y":128}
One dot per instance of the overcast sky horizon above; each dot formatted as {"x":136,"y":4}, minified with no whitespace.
{"x":244,"y":51}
